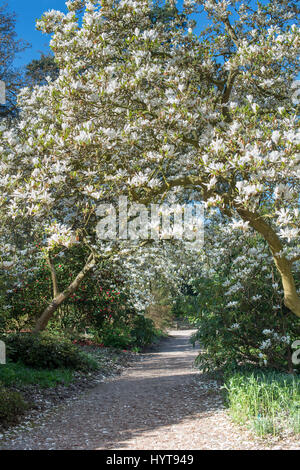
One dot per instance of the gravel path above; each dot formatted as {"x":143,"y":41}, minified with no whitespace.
{"x":161,"y":403}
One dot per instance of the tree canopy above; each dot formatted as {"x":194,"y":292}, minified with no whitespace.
{"x":149,"y":109}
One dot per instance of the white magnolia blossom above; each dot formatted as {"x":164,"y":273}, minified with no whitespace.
{"x":144,"y":109}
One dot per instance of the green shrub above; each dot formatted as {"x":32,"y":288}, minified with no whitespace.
{"x":47,"y":352}
{"x":237,"y":306}
{"x":143,"y":331}
{"x":12,"y":405}
{"x":116,"y":336}
{"x":268,"y":402}
{"x":136,"y":333}
{"x":250,"y":332}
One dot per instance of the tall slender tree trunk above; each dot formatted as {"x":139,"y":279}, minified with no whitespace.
{"x":53,"y":276}
{"x":58,"y":299}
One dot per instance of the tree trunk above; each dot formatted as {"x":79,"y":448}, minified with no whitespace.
{"x":53,"y":276}
{"x":43,"y":321}
{"x":283,"y":265}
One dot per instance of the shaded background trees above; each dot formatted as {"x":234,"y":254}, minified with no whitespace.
{"x":38,"y":70}
{"x":10,"y":46}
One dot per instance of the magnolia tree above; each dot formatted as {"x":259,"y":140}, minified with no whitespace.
{"x":146,"y":108}
{"x":169,"y":109}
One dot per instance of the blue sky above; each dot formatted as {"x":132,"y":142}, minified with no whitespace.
{"x":28,"y":11}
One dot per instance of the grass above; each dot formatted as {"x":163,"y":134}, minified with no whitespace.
{"x":268,"y":402}
{"x":19,"y":374}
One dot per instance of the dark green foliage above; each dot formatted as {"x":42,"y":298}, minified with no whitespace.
{"x":46,"y":351}
{"x":91,"y":306}
{"x":12,"y":406}
{"x":241,"y":318}
{"x":116,"y":336}
{"x":164,"y":13}
{"x":138,"y":332}
{"x":143,"y":332}
{"x":234,"y":336}
{"x":38,"y":70}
